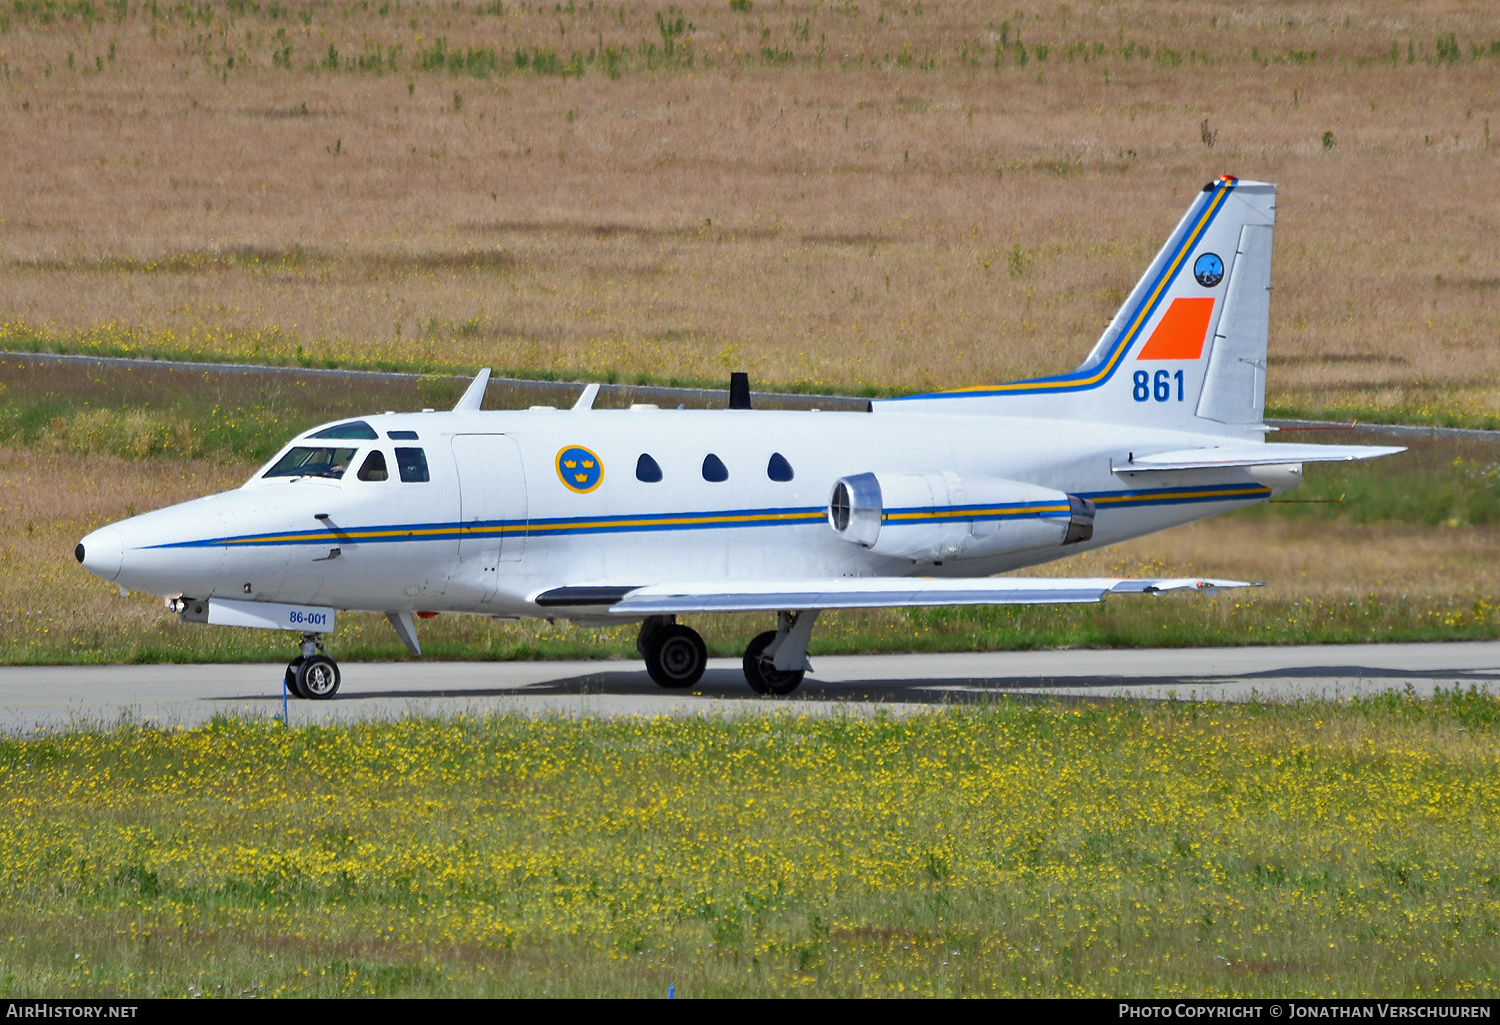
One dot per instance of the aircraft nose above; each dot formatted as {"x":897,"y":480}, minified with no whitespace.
{"x":102,"y":552}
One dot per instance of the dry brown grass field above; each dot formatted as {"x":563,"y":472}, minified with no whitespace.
{"x":852,"y":195}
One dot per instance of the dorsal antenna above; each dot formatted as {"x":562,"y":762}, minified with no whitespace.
{"x":472,"y":398}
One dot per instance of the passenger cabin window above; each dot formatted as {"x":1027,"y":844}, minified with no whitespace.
{"x":313,"y":462}
{"x":778,"y":469}
{"x":374,"y":467}
{"x":714,"y":469}
{"x":401,"y":435}
{"x":354,"y":429}
{"x":647,"y":470}
{"x":412,"y":463}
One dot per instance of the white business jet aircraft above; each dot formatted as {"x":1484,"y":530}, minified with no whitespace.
{"x":608,"y":516}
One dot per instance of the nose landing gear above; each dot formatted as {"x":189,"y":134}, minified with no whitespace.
{"x":313,"y":674}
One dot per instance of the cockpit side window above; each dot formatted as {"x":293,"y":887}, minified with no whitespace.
{"x":353,"y":430}
{"x":313,"y":462}
{"x":374,"y":467}
{"x":412,"y":463}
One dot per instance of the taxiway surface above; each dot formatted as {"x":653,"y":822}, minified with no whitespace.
{"x":59,"y":696}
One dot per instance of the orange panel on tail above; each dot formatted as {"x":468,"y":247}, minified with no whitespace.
{"x":1181,"y":331}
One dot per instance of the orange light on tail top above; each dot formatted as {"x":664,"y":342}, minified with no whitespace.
{"x":1181,"y":332}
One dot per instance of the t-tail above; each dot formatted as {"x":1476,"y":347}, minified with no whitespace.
{"x":1187,"y":350}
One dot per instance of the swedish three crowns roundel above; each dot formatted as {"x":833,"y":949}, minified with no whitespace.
{"x":579,"y":469}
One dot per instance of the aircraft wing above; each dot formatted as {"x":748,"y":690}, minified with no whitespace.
{"x":863,"y":593}
{"x":1264,"y":454}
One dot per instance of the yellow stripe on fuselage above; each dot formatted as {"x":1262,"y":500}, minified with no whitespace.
{"x":969,"y":514}
{"x":1234,"y":491}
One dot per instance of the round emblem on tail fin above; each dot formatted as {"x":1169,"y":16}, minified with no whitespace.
{"x":579,"y":469}
{"x":1209,"y":270}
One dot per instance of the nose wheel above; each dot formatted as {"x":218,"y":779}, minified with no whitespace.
{"x":313,"y":674}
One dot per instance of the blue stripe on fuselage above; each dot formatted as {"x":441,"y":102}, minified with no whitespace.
{"x":708,"y":520}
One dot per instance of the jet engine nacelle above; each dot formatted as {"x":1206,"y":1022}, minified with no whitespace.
{"x":931,"y":517}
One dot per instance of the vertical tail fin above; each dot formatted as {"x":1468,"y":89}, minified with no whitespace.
{"x":1187,"y":349}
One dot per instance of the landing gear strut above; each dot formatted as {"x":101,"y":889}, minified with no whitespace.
{"x":776,"y":661}
{"x":313,"y":674}
{"x":675,"y":655}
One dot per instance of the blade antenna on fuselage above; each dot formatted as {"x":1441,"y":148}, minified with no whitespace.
{"x":472,"y":398}
{"x":586,"y":399}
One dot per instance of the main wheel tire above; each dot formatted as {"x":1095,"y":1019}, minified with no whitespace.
{"x":676,"y":657}
{"x":293,"y":685}
{"x":318,"y":677}
{"x":762,"y":675}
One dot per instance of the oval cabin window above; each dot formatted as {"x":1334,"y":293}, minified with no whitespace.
{"x":778,"y":469}
{"x":647,"y":470}
{"x":714,"y":469}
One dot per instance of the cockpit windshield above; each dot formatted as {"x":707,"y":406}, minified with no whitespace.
{"x":354,"y":429}
{"x":313,"y":462}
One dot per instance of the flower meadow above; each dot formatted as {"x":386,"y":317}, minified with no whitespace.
{"x":1022,"y":849}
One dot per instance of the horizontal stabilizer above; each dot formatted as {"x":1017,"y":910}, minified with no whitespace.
{"x":892,"y":592}
{"x":1252,"y":455}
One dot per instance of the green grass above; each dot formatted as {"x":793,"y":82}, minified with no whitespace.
{"x":285,"y":352}
{"x":146,"y":411}
{"x":1431,"y":408}
{"x":1126,"y":622}
{"x":152,"y":412}
{"x":1314,"y":849}
{"x":1437,"y":482}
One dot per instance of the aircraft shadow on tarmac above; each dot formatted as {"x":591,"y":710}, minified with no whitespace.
{"x":729,"y":684}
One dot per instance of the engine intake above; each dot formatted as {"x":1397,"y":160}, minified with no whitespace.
{"x":855,"y":509}
{"x":938,"y":516}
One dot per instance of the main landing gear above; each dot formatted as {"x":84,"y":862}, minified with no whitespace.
{"x":313,"y":674}
{"x":774,"y":662}
{"x":675,"y":655}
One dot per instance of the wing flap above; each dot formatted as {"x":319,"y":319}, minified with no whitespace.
{"x":1252,"y":455}
{"x":893,"y":592}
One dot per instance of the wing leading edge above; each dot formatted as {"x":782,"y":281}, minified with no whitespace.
{"x":866,"y":593}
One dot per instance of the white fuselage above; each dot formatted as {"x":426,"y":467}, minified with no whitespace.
{"x":494,"y":526}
